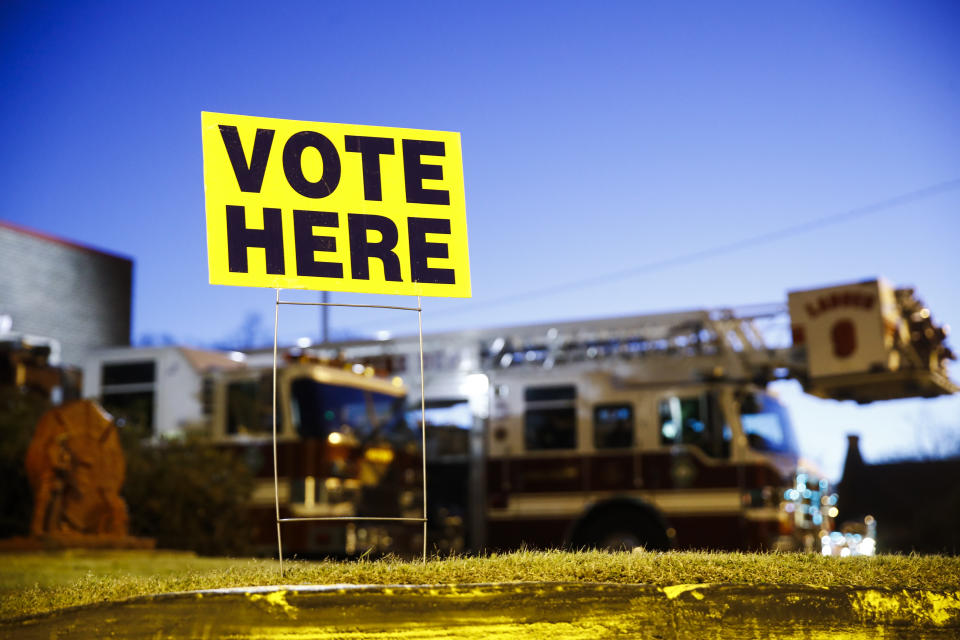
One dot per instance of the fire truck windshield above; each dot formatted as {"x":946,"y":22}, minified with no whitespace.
{"x":320,"y":409}
{"x":766,"y":424}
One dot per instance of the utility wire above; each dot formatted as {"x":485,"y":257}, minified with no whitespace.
{"x":710,"y":252}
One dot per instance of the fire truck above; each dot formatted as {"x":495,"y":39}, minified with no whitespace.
{"x":653,"y":431}
{"x":344,"y":450}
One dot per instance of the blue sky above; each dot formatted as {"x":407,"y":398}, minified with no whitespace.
{"x":596,"y":138}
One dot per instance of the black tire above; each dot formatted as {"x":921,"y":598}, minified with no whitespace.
{"x":622,"y":529}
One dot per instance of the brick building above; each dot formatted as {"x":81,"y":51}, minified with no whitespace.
{"x":58,"y":289}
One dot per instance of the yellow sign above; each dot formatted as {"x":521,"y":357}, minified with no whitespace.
{"x":334,"y":207}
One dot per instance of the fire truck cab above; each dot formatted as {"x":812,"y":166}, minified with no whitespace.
{"x":344,"y":449}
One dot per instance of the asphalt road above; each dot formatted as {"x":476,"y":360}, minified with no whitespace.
{"x":522,"y":610}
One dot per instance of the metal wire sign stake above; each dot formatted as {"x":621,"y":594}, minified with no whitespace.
{"x":267,"y":226}
{"x":423,"y":428}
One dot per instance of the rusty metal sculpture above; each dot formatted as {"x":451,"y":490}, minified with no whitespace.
{"x":76,"y":468}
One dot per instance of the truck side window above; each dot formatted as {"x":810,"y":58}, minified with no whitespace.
{"x":680,"y":421}
{"x":550,"y":418}
{"x":613,"y":426}
{"x":694,"y":421}
{"x":249,"y":409}
{"x":765,"y":423}
{"x":448,"y":422}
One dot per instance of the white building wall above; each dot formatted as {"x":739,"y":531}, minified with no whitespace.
{"x":177,"y":385}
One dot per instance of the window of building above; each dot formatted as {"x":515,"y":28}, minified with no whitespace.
{"x":128,"y":390}
{"x":550,"y":417}
{"x":127,"y":373}
{"x":613,"y":426}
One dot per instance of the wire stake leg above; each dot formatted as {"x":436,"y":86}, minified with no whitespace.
{"x":276,"y":479}
{"x":423,"y":425}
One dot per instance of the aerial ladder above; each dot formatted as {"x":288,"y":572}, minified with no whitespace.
{"x":864,"y":341}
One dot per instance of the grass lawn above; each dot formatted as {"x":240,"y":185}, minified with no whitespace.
{"x":33,"y":583}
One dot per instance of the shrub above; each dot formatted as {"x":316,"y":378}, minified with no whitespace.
{"x":19,"y":413}
{"x":187,"y":494}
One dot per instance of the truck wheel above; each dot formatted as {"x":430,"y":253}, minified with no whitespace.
{"x":623,"y":530}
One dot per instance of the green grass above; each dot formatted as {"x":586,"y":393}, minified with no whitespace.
{"x":32,"y":583}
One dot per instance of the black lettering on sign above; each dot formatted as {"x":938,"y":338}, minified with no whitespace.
{"x":293,"y":166}
{"x":415,"y":172}
{"x":249,"y":177}
{"x":420,"y":250}
{"x":306,"y":243}
{"x":240,"y":238}
{"x":370,"y":150}
{"x":361,"y":249}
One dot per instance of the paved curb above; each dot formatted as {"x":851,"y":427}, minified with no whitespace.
{"x":560,"y":610}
